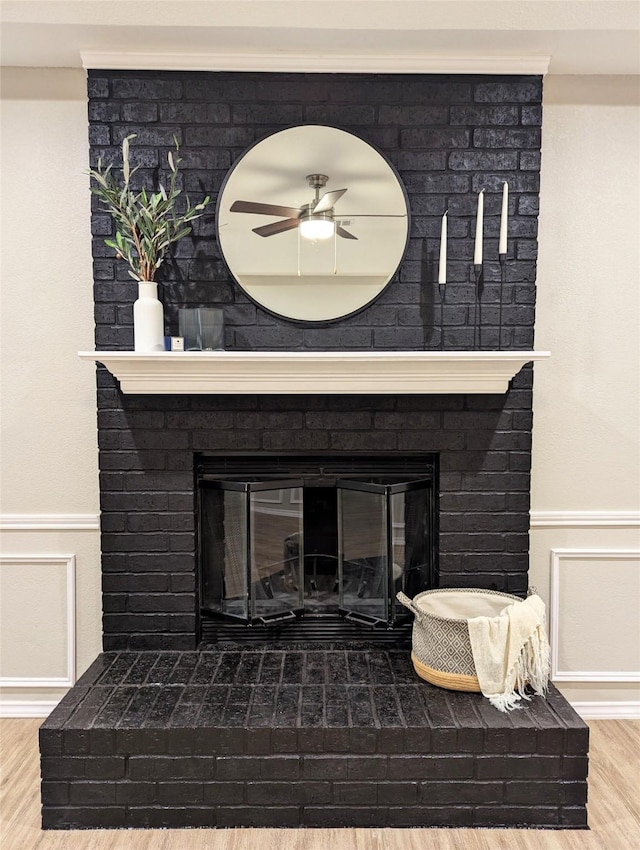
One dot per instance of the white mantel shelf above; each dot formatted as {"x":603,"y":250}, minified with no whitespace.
{"x":314,"y":372}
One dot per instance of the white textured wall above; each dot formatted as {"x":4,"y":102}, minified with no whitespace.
{"x":586,"y":410}
{"x":47,"y":314}
{"x":586,"y":438}
{"x":48,"y":418}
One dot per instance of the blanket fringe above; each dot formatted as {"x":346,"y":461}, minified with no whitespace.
{"x":531,"y":668}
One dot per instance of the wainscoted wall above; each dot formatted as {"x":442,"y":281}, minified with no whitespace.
{"x":53,"y":605}
{"x":448,"y":138}
{"x":586,"y":566}
{"x":585,"y":488}
{"x":49,"y":523}
{"x":49,"y":601}
{"x":586,"y":407}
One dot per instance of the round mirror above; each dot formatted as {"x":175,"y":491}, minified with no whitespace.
{"x":313,"y":223}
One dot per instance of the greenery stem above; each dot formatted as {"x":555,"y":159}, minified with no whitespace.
{"x":146,"y":224}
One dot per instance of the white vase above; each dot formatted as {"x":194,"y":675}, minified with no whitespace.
{"x":148,"y":319}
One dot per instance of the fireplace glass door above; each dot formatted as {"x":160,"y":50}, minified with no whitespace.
{"x":251,"y":571}
{"x":384,"y":546}
{"x":319,"y":548}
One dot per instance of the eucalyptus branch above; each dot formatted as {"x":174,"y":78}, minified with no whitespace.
{"x":146,"y":225}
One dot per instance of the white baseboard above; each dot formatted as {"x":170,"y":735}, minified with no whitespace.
{"x":602,"y":710}
{"x":27,"y":708}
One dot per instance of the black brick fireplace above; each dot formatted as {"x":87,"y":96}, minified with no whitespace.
{"x":168,"y":729}
{"x":148,"y":486}
{"x":448,"y":137}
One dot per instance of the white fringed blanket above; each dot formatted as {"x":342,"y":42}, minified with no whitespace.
{"x":510,"y":651}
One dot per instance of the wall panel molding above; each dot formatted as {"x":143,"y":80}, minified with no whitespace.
{"x":558,"y":556}
{"x":69,"y":563}
{"x":49,"y":522}
{"x":579,"y":519}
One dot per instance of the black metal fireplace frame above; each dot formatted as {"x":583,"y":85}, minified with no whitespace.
{"x":328,"y":630}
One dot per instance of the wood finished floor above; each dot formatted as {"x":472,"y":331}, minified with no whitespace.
{"x":614,"y":812}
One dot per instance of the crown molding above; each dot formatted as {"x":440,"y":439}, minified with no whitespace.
{"x":316,"y":63}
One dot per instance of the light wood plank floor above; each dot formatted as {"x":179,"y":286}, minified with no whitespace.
{"x":614,"y":812}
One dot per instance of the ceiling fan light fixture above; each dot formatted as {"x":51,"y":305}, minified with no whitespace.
{"x":316,"y":225}
{"x":317,"y":228}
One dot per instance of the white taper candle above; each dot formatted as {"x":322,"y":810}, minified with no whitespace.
{"x":442,"y":267}
{"x":504,"y":218}
{"x":477,"y":254}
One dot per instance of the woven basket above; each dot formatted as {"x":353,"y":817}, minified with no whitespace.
{"x":441,"y":647}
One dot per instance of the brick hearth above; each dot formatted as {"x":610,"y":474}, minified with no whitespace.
{"x":291,"y":738}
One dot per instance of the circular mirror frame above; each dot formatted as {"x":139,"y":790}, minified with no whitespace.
{"x":385,"y":162}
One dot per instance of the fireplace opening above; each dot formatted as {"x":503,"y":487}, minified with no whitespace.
{"x":313,"y":548}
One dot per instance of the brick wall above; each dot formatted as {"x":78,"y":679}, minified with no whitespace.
{"x":448,"y":137}
{"x":238,"y":739}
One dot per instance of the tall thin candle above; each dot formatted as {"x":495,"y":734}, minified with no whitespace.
{"x":504,"y":219}
{"x":442,"y":267}
{"x":477,"y":254}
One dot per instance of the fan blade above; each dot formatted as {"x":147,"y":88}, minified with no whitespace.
{"x":328,"y":200}
{"x":276,"y":227}
{"x":344,"y":233}
{"x":264,"y":209}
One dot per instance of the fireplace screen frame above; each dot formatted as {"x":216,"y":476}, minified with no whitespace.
{"x":243,"y":557}
{"x":393,"y":576}
{"x":384,"y":478}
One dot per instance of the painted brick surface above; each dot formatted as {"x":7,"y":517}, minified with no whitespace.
{"x":170,"y":739}
{"x":448,"y":138}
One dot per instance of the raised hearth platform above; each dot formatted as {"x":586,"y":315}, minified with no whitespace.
{"x":302,"y":737}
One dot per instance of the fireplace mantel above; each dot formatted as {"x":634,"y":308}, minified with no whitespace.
{"x":313,"y":372}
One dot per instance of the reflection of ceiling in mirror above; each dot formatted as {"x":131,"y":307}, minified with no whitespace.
{"x":275,"y":170}
{"x":280,"y":254}
{"x":317,"y":298}
{"x":373,"y":209}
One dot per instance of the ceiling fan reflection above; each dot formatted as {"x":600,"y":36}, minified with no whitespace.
{"x":315,"y":219}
